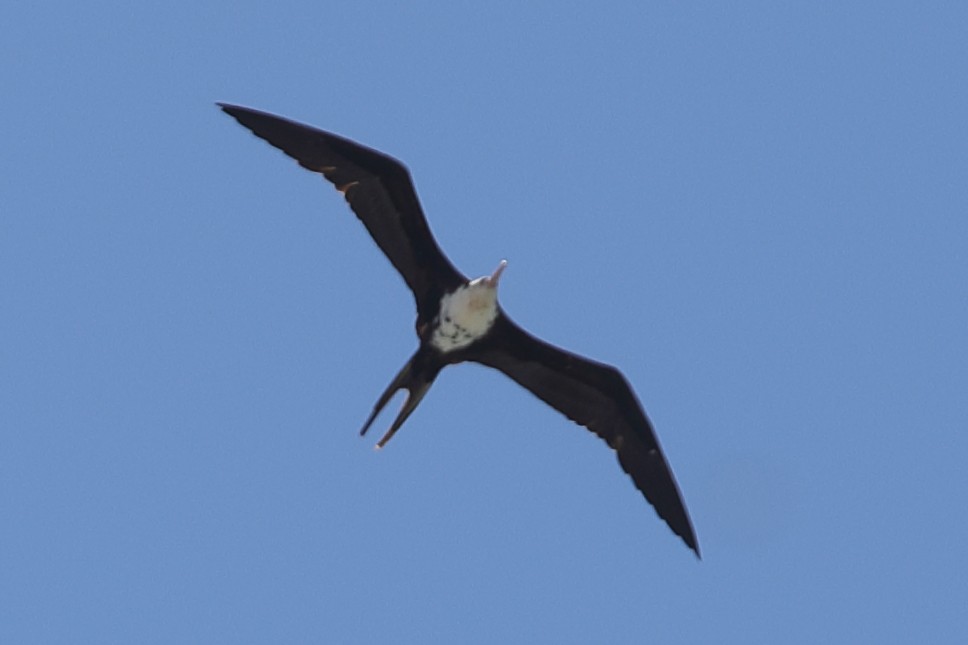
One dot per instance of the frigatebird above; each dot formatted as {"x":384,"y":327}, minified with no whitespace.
{"x":460,"y":320}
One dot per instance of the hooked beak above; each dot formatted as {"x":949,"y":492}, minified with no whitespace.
{"x":497,"y":273}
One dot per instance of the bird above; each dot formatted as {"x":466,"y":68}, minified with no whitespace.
{"x":459,"y":319}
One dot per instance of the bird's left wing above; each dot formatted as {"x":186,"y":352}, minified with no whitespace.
{"x":378,"y":189}
{"x":598,"y":397}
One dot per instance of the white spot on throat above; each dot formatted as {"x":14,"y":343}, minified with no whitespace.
{"x":465,"y":315}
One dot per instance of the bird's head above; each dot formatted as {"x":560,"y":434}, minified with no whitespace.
{"x":489,"y":282}
{"x":483,"y":290}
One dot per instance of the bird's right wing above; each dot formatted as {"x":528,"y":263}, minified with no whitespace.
{"x":598,"y":397}
{"x":378,"y":189}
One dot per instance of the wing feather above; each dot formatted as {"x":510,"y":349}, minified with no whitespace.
{"x":598,"y":397}
{"x":378,"y":189}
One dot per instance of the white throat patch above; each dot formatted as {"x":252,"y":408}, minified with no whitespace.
{"x":465,"y":315}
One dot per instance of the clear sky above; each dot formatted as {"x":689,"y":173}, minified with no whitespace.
{"x":759,"y":213}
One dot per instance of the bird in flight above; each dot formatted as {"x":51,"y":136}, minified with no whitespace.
{"x":460,"y":319}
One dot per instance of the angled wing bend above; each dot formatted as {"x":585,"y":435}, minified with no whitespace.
{"x":378,"y":189}
{"x":598,"y":397}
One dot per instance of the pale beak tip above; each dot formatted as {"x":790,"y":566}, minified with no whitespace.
{"x":498,"y":271}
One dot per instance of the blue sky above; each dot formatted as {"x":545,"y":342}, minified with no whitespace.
{"x":759,"y":213}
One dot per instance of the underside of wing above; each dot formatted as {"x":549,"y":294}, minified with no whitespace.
{"x":379,"y":190}
{"x":598,"y":397}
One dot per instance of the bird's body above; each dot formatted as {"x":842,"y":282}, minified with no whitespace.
{"x":460,"y":320}
{"x":466,"y":315}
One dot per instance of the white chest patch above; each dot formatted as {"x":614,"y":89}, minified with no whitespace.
{"x":465,"y":315}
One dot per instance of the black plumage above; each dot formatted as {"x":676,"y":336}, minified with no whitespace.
{"x":379,"y":190}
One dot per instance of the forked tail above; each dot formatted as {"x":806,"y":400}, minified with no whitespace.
{"x":416,"y":377}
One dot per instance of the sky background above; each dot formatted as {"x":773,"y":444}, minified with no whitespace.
{"x":759,"y":213}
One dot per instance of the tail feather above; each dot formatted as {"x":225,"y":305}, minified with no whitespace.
{"x":411,"y":378}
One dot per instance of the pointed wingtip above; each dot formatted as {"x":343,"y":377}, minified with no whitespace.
{"x":235,"y":111}
{"x":690,"y":540}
